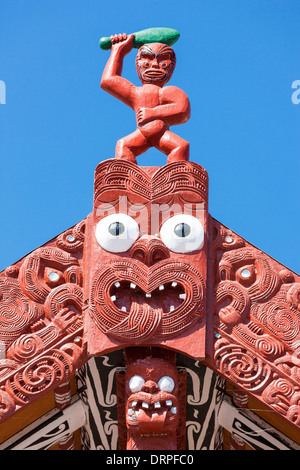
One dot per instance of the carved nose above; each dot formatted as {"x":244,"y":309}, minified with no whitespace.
{"x":150,"y":387}
{"x":149,"y":250}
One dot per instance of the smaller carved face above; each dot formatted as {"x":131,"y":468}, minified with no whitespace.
{"x":155,"y":63}
{"x":152,"y":397}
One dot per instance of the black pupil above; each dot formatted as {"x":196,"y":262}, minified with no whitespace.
{"x":182,"y":230}
{"x":116,"y":228}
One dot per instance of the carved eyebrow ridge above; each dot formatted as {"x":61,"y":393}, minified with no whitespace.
{"x":165,"y":49}
{"x":147,"y":49}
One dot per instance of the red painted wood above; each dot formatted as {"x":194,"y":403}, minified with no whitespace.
{"x":156,"y":107}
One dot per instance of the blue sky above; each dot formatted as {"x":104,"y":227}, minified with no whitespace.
{"x":236,"y":60}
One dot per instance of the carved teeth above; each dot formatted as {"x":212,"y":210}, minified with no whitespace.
{"x":134,"y":403}
{"x":174,"y":284}
{"x":173,"y":410}
{"x":157,"y":405}
{"x":113,"y":298}
{"x":145,"y":405}
{"x":172,"y":308}
{"x":130,"y":411}
{"x":132,"y":285}
{"x":117,"y":284}
{"x":182,"y":296}
{"x":161,"y":287}
{"x":169,"y":402}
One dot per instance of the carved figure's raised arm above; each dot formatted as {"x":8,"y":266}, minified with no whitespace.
{"x":111,"y":81}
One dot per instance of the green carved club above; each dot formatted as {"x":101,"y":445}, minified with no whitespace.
{"x":164,"y":35}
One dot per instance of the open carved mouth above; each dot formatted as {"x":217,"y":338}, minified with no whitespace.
{"x":144,"y":409}
{"x":154,"y":75}
{"x":167,"y":297}
{"x":133,"y":302}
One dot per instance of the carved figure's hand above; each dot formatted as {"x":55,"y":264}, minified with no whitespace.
{"x":64,"y":318}
{"x":143,"y":115}
{"x":122,"y":42}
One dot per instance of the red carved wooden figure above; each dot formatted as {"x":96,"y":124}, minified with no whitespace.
{"x":151,"y":273}
{"x":156,"y":107}
{"x":145,"y":258}
{"x":152,"y":408}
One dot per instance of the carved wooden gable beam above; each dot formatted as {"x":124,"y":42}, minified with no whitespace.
{"x":241,"y":307}
{"x":150,"y":268}
{"x":255,"y":340}
{"x":41,"y":329}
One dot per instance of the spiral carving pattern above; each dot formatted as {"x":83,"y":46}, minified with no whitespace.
{"x":242,"y":367}
{"x":26,"y":347}
{"x":41,"y":321}
{"x":257,"y":323}
{"x":7,"y":405}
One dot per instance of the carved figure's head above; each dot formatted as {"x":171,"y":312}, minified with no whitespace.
{"x":155,"y":63}
{"x":147,"y":256}
{"x":151,"y":389}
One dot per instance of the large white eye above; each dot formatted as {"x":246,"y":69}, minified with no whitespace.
{"x":166,"y":384}
{"x":136,"y":383}
{"x":182,"y":233}
{"x":117,"y":232}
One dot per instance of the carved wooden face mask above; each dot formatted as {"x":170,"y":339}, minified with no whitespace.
{"x":151,"y":393}
{"x":146,"y":257}
{"x":155,"y":63}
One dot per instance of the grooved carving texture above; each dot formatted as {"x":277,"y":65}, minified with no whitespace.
{"x":41,"y":300}
{"x":247,"y":304}
{"x":119,"y":317}
{"x":256,"y":323}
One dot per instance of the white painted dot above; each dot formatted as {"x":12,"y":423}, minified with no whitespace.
{"x":136,"y":383}
{"x":246,"y":273}
{"x":166,"y":384}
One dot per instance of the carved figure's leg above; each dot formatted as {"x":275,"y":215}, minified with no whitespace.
{"x":131,"y":146}
{"x":174,"y":146}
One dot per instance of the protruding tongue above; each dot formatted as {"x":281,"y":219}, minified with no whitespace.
{"x":141,"y":323}
{"x":152,"y":417}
